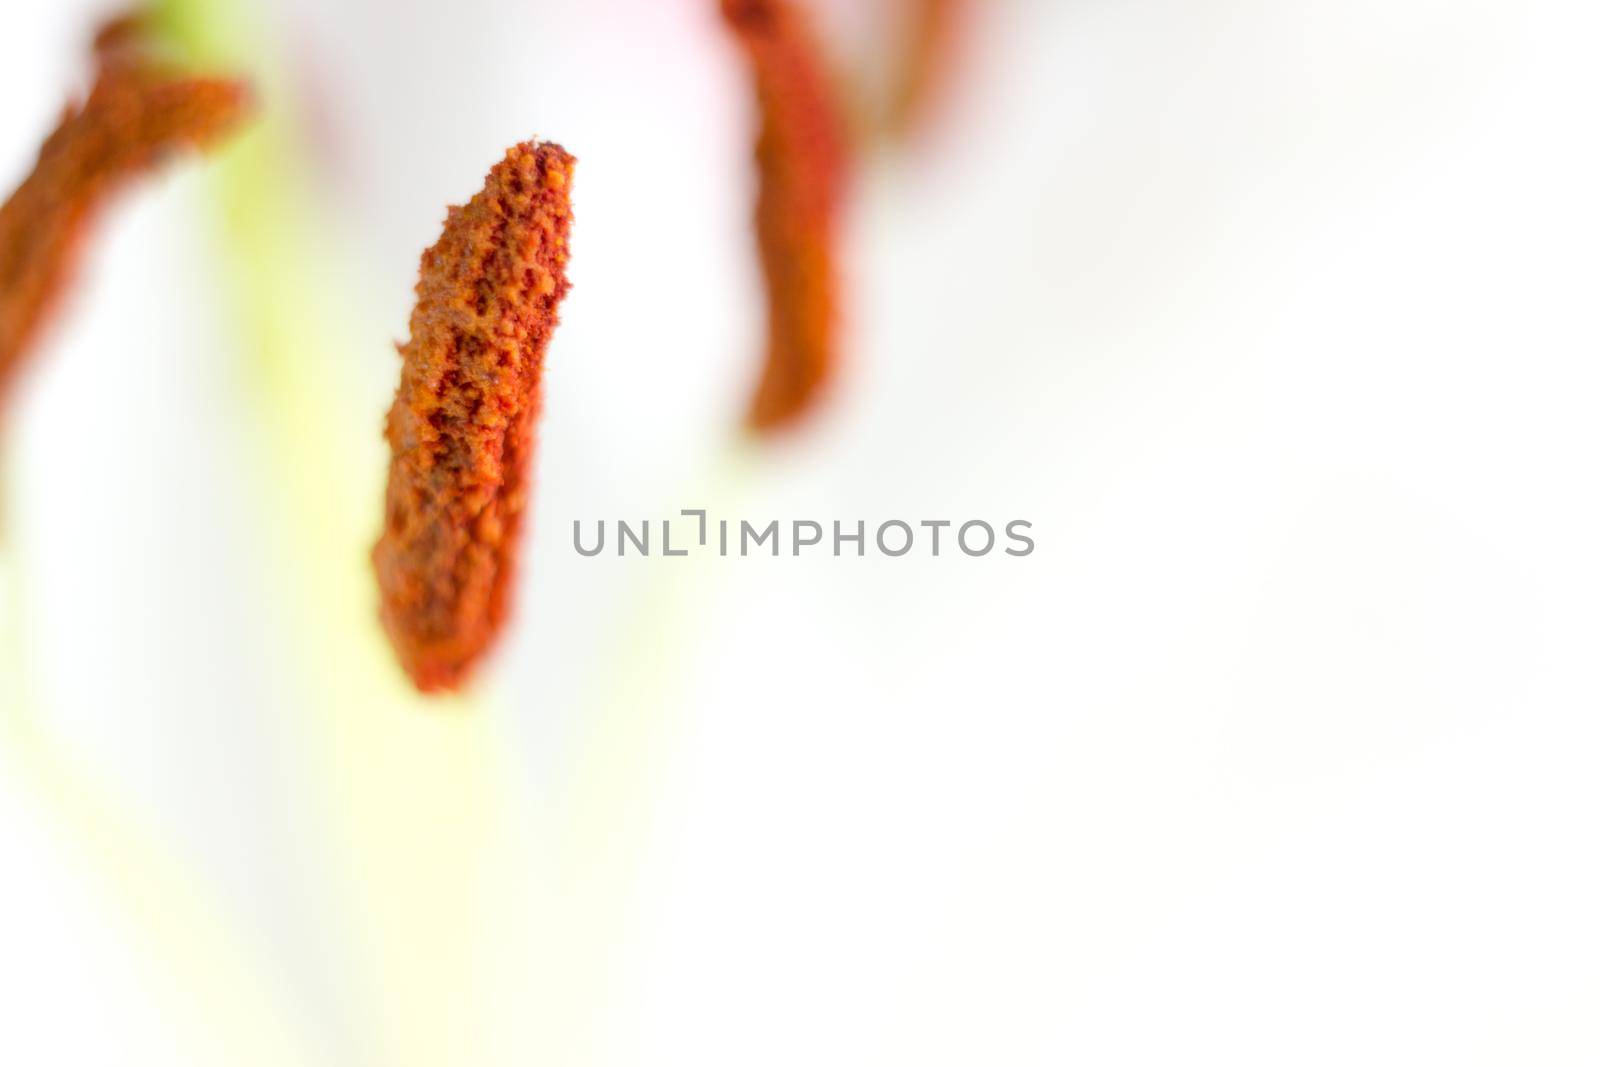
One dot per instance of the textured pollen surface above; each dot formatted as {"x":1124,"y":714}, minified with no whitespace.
{"x":137,"y":113}
{"x":800,"y":159}
{"x":461,"y":428}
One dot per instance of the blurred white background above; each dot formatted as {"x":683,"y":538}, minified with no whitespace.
{"x":1275,"y":317}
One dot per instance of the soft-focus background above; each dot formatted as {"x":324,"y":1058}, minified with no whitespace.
{"x":1275,"y":317}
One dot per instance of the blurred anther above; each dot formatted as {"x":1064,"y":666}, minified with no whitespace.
{"x":139,"y":111}
{"x":933,"y":35}
{"x":801,"y":157}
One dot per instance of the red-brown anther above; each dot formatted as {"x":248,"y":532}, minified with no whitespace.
{"x":934,"y":36}
{"x":801,"y":160}
{"x":461,"y":428}
{"x":137,"y":114}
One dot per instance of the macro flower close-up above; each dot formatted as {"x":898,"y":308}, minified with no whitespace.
{"x":721,"y":532}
